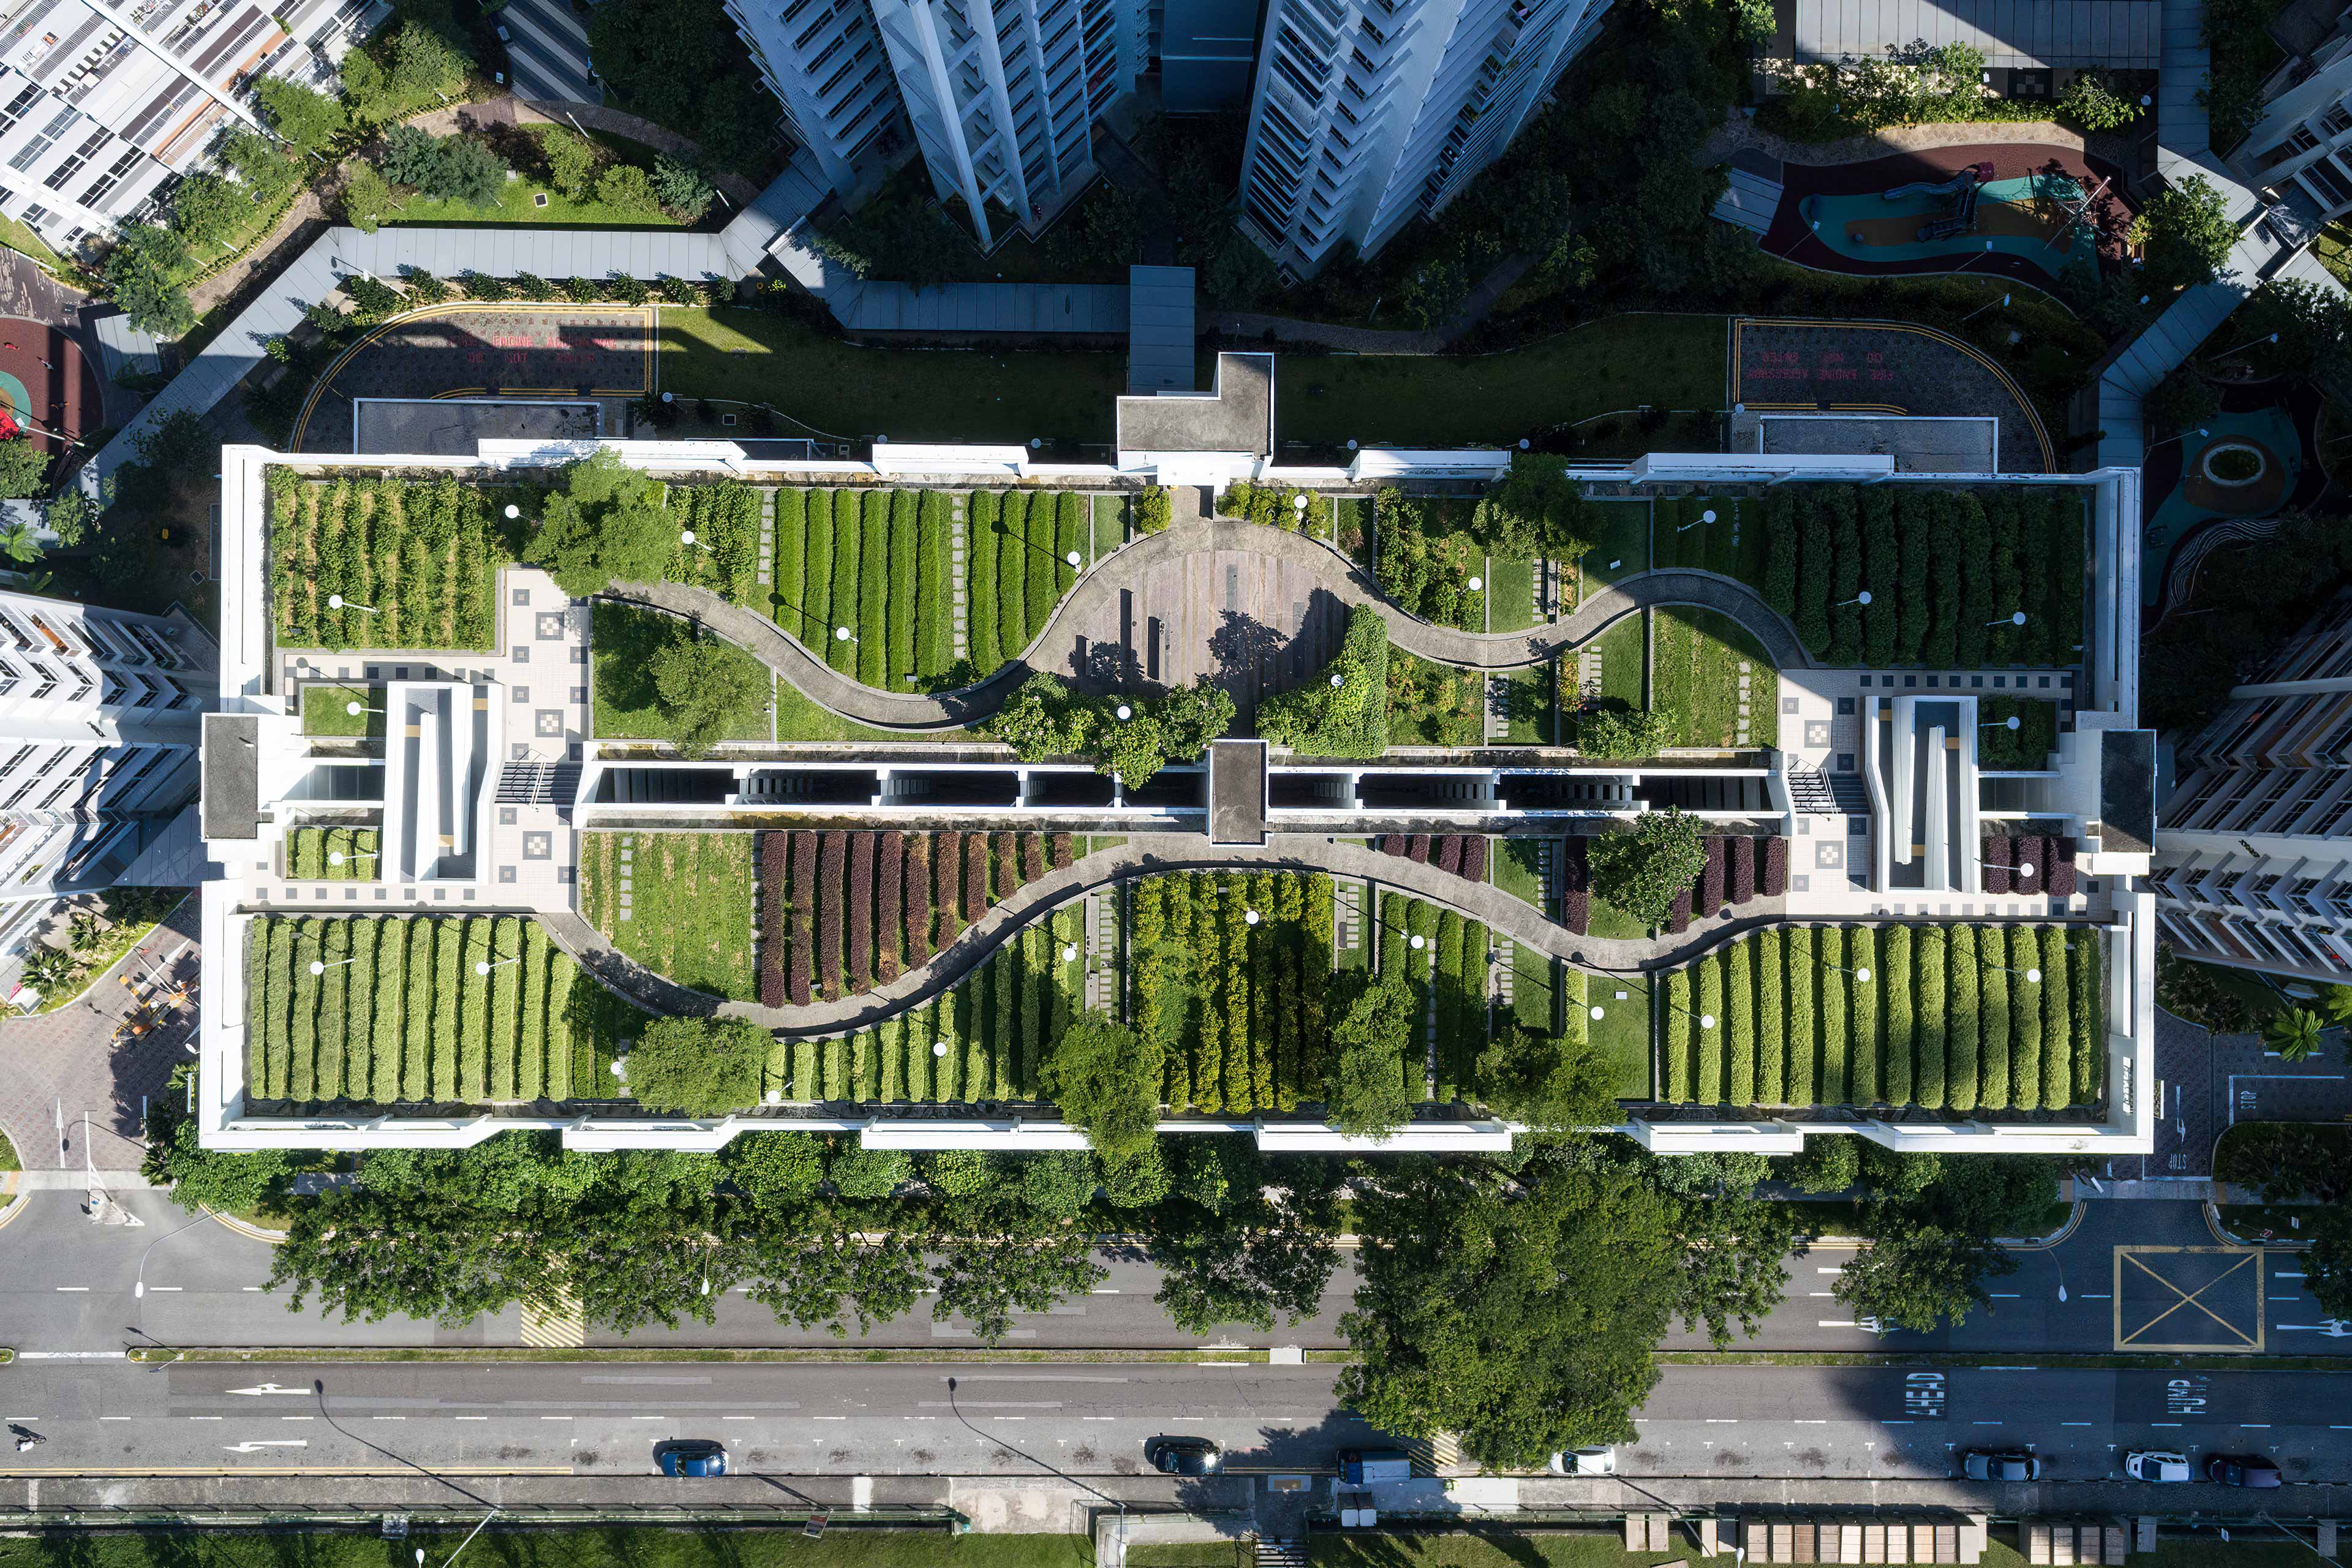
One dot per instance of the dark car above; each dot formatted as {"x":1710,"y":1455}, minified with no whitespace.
{"x":692,"y":1457}
{"x":2000,"y":1465}
{"x":1181,"y":1455}
{"x":2232,"y":1470}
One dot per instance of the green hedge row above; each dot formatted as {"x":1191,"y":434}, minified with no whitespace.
{"x":309,"y":849}
{"x":1945,"y":570}
{"x":933,"y":541}
{"x":423,"y":557}
{"x":1948,"y":1020}
{"x":1239,"y":1010}
{"x":401,"y":1016}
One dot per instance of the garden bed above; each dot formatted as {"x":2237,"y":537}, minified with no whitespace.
{"x":1240,"y":1011}
{"x":408,"y":1020}
{"x":310,"y":853}
{"x":876,"y":561}
{"x":327,"y":711}
{"x":1697,"y":658}
{"x":623,"y":640}
{"x":689,"y":912}
{"x":423,"y":557}
{"x":1948,"y":1020}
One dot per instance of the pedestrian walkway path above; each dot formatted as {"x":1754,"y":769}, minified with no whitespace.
{"x":1055,"y":646}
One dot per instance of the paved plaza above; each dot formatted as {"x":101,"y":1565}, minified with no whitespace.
{"x":486,"y":351}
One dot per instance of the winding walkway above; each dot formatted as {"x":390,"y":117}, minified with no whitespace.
{"x":1145,"y":855}
{"x":1097,"y":594}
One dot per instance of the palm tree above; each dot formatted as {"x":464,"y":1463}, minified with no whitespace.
{"x":49,"y":969}
{"x":2294,"y":1034}
{"x":2335,"y":1001}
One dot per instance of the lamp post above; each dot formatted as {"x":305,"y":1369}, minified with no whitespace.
{"x":1251,"y":916}
{"x":2201,"y":432}
{"x":318,"y":967}
{"x":1072,"y":561}
{"x":336,"y":857}
{"x":1861,"y":598}
{"x":2032,"y":976}
{"x":2018,"y":619}
{"x":686,"y":537}
{"x":1981,"y":310}
{"x":513,"y":512}
{"x":1963,"y":267}
{"x":355,"y":708}
{"x":2242,"y":348}
{"x":1704,"y":518}
{"x":843,"y":634}
{"x":1705,"y":1020}
{"x":1860,"y":973}
{"x":1476,"y":583}
{"x":2009,"y":723}
{"x":483,"y":965}
{"x":337,"y":601}
{"x":1338,"y":681}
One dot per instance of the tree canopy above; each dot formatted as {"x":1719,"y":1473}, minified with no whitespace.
{"x":23,"y":469}
{"x":1367,"y":1097}
{"x":2188,"y":232}
{"x":1105,"y":1078}
{"x":1645,"y":871}
{"x":709,"y":690}
{"x":201,"y":1178}
{"x":699,"y":1066}
{"x":678,"y":64}
{"x":311,"y":121}
{"x":146,"y":271}
{"x":608,"y":522}
{"x":1046,"y":717}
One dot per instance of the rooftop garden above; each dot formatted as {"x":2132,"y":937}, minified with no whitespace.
{"x":656,"y":677}
{"x":413,"y":563}
{"x":679,"y":903}
{"x":334,"y":854}
{"x":879,"y":563}
{"x":401,"y":1012}
{"x":1959,"y":1018}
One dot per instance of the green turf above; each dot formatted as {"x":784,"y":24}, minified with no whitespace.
{"x":1623,"y":648}
{"x":622,"y":642}
{"x":1620,"y":547}
{"x":1528,"y":705}
{"x":326,"y":711}
{"x":8,"y":1155}
{"x":691,"y":915}
{"x":518,"y":200}
{"x":1510,"y":594}
{"x":800,"y":719}
{"x":1544,"y":991}
{"x":1605,"y":918}
{"x":1621,"y":1033}
{"x":605,"y":1547}
{"x":1109,"y":523}
{"x":1697,"y":657}
{"x":1512,"y":866}
{"x":1432,"y":704}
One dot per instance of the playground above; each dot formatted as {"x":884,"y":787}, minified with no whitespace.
{"x":48,"y":389}
{"x":2015,"y":211}
{"x":2226,"y":481}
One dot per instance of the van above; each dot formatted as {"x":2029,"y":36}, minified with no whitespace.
{"x":1363,"y":1466}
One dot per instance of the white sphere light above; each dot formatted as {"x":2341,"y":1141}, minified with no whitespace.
{"x":1336,"y":682}
{"x":1418,"y":942}
{"x":513,"y":512}
{"x":481,"y":966}
{"x":2026,"y":870}
{"x":1068,"y":953}
{"x":1250,"y":915}
{"x":1863,"y":597}
{"x":1862,"y":975}
{"x":317,"y":967}
{"x":685,"y":536}
{"x":2011,"y":724}
{"x":1706,"y":1020}
{"x":336,"y":858}
{"x":1125,"y":712}
{"x":1597,"y":1013}
{"x":1707,"y":516}
{"x":939,"y":1048}
{"x":2018,"y":619}
{"x":354,"y":709}
{"x":2033,"y":976}
{"x":1476,"y":583}
{"x":1072,"y":558}
{"x":841,"y":634}
{"x":335,"y":601}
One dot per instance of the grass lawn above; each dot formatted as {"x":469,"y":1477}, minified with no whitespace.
{"x":1510,"y":595}
{"x":1544,"y":991}
{"x":1697,"y":655}
{"x":798,"y":719}
{"x":518,"y":199}
{"x":622,"y":642}
{"x":1623,"y":649}
{"x":605,"y":1547}
{"x":326,"y":711}
{"x":1527,"y":704}
{"x":1434,"y":704}
{"x":1622,"y":1030}
{"x":1605,"y":918}
{"x":1673,"y":362}
{"x":690,"y":914}
{"x":834,"y":389}
{"x":1622,"y":545}
{"x":8,"y":1155}
{"x":1109,"y":528}
{"x":1513,"y":868}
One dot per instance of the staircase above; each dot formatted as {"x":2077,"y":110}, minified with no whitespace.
{"x":1828,"y":794}
{"x":539,"y":783}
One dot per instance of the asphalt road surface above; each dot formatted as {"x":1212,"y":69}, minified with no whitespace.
{"x":1719,"y":1425}
{"x":2138,"y":1276}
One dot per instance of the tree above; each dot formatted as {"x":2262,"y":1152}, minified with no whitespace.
{"x":2327,"y":1260}
{"x":1190,"y":717}
{"x":412,"y":156}
{"x":311,"y":121}
{"x":70,"y":515}
{"x":145,"y":270}
{"x":993,"y":1254}
{"x":1521,"y":1321}
{"x":678,"y":64}
{"x":2293,"y":1033}
{"x":2187,"y":231}
{"x":1916,"y":1276}
{"x":570,"y":161}
{"x":1105,"y":1078}
{"x":607,"y":523}
{"x":207,"y":209}
{"x":1550,"y":1084}
{"x":49,"y":970}
{"x":367,"y":197}
{"x":699,"y":1066}
{"x":1617,"y":734}
{"x":1825,"y":1165}
{"x":23,"y":469}
{"x":1255,"y":1239}
{"x":267,"y":174}
{"x":1366,"y":1096}
{"x":468,"y":173}
{"x":2183,"y":400}
{"x":683,"y":190}
{"x":1040,"y":720}
{"x":626,"y":191}
{"x":1645,"y":871}
{"x":201,"y":1178}
{"x":708,"y":690}
{"x":427,"y":65}
{"x":2092,"y":102}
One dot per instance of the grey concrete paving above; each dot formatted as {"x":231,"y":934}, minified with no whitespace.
{"x":76,"y":1060}
{"x":1069,"y":641}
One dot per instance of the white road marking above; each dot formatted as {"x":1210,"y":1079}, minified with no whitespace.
{"x":2007,"y":1296}
{"x":2164,"y":1423}
{"x":738,"y":1418}
{"x":371,"y":1419}
{"x":1801,"y":1422}
{"x":1984,"y":1423}
{"x":1099,"y":1291}
{"x":1839,"y":1269}
{"x":254,"y":1288}
{"x":166,"y":1288}
{"x":1821,"y":1293}
{"x":2073,"y":1423}
{"x":2255,"y":1425}
{"x":203,"y":1418}
{"x":473,"y":1419}
{"x":828,"y":1417}
{"x":71,"y":1289}
{"x":1723,"y":1420}
{"x":114,"y":1418}
{"x":555,"y":1418}
{"x":260,"y":1443}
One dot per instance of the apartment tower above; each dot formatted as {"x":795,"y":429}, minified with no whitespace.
{"x":1369,"y":113}
{"x":824,"y":62}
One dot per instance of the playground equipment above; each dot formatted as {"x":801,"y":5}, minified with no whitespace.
{"x":1974,"y":175}
{"x":1963,"y":188}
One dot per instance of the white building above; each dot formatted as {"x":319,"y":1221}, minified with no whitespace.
{"x":99,"y":713}
{"x":104,"y":103}
{"x":1369,"y":113}
{"x":2254,"y":864}
{"x":824,"y":62}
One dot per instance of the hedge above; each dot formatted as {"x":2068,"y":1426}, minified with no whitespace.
{"x":1012,"y":573}
{"x":907,"y":607}
{"x":1939,"y":1025}
{"x":307,"y":851}
{"x":1883,"y":557}
{"x":873,"y":607}
{"x":789,"y":561}
{"x":816,"y":575}
{"x":980,"y":597}
{"x":775,"y":920}
{"x":1845,"y":571}
{"x":889,"y":880}
{"x":423,"y":555}
{"x":860,"y":899}
{"x":1043,"y":560}
{"x":919,"y":897}
{"x":936,"y":531}
{"x":848,"y":533}
{"x":1069,"y":534}
{"x":401,"y":1024}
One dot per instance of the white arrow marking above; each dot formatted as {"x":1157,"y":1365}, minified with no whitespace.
{"x":272,"y":1388}
{"x":2335,"y":1327}
{"x":267,"y":1443}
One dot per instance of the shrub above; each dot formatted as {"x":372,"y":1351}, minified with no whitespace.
{"x":1771,"y":1018}
{"x":1993,"y":1008}
{"x":1678,"y":916}
{"x":1008,"y":862}
{"x":1772,"y":878}
{"x":1882,"y":553}
{"x":1743,"y":869}
{"x":975,"y":877}
{"x":2059,"y":881}
{"x":980,"y":625}
{"x":1707,"y":1085}
{"x":1649,"y":870}
{"x":2058,"y":1043}
{"x":699,"y":1066}
{"x":1679,"y":1025}
{"x":1448,"y":853}
{"x":1473,"y":858}
{"x":773,"y":937}
{"x":1738,"y":1023}
{"x":1350,"y":720}
{"x":890,"y":875}
{"x":1417,"y":849}
{"x":1711,"y":878}
{"x":474,"y":1014}
{"x":1576,"y":886}
{"x":1815,"y":573}
{"x":1961,"y":1031}
{"x":1782,"y":544}
{"x":832,"y":856}
{"x":1805,"y":1022}
{"x":848,"y":533}
{"x":804,"y":888}
{"x":1863,"y":1047}
{"x":1033,"y":856}
{"x":919,"y":900}
{"x":1896,"y":993}
{"x":1152,"y":510}
{"x":416,"y":1069}
{"x":506,"y":1003}
{"x":861,"y":910}
{"x":1931,"y":971}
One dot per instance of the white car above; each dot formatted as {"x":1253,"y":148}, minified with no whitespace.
{"x":2153,"y":1464}
{"x":1585,"y":1462}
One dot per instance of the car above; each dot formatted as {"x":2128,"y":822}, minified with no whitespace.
{"x":2237,"y":1470}
{"x":692,"y":1457}
{"x":1182,"y":1455}
{"x":2156,"y":1465}
{"x":1601,"y":1461}
{"x":2000,"y":1465}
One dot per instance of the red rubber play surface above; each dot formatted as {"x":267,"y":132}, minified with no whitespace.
{"x":49,"y":388}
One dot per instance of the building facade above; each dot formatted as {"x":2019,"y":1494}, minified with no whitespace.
{"x":824,"y":62}
{"x":105,"y":103}
{"x":1369,"y":113}
{"x":99,"y":713}
{"x":2254,"y":864}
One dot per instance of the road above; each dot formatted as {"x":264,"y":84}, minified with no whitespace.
{"x":67,"y":1286}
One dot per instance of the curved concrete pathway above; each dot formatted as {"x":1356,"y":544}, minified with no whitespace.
{"x":1145,"y":855}
{"x":1096,"y":593}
